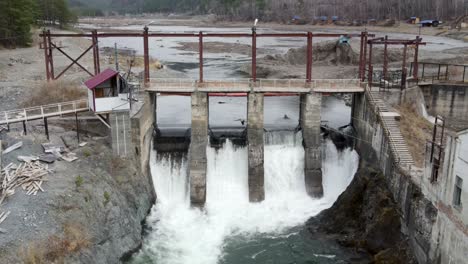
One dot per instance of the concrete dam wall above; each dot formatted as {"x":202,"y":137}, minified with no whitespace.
{"x":435,"y":237}
{"x":196,"y":139}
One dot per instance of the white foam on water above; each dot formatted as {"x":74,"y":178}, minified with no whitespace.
{"x":181,"y":234}
{"x":426,"y":115}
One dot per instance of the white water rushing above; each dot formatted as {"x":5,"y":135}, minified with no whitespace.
{"x":182,"y":235}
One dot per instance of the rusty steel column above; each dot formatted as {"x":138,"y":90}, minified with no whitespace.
{"x":200,"y":47}
{"x":46,"y":54}
{"x":93,"y":38}
{"x":309,"y":57}
{"x":364,"y":59}
{"x":51,"y":58}
{"x":254,"y":54}
{"x":403,"y":67}
{"x":98,"y":64}
{"x":385,"y":66}
{"x":370,"y":66}
{"x":416,"y":54}
{"x":361,"y":56}
{"x":146,"y":55}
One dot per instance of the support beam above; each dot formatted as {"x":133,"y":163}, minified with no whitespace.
{"x":311,"y":105}
{"x":309,"y":57}
{"x":24,"y":128}
{"x":404,"y":70}
{"x":46,"y":54}
{"x":197,"y":153}
{"x":98,"y":63}
{"x":364,"y":59}
{"x":200,"y":52}
{"x":254,"y":54}
{"x":361,"y":57}
{"x":51,"y":57}
{"x":385,"y":66}
{"x":74,"y":61}
{"x":416,"y":56}
{"x":146,"y":55}
{"x":46,"y":127}
{"x":77,"y":128}
{"x":95,"y":52}
{"x":255,"y":108}
{"x":370,"y":75}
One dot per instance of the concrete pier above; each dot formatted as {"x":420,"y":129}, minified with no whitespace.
{"x":197,"y":155}
{"x":255,"y":146}
{"x":121,"y":133}
{"x":311,"y":105}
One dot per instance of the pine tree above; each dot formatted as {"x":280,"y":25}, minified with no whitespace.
{"x":16,"y":18}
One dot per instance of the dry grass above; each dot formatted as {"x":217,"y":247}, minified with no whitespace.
{"x":55,"y":248}
{"x":416,"y":130}
{"x":54,"y":92}
{"x":138,"y":61}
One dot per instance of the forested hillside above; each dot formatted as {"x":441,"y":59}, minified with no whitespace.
{"x":278,"y":10}
{"x":17,"y":17}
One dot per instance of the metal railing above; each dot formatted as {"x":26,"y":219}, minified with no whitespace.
{"x":40,"y":112}
{"x":331,"y":84}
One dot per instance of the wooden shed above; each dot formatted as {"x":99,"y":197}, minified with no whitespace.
{"x":107,"y":92}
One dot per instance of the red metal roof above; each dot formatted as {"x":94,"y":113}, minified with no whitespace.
{"x":100,"y":78}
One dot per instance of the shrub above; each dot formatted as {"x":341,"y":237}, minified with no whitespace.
{"x":79,"y":181}
{"x":106,"y":198}
{"x":86,"y":153}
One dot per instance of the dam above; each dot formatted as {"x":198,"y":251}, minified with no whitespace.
{"x":310,"y":122}
{"x":223,"y":188}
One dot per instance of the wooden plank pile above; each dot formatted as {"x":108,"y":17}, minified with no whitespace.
{"x":29,"y":176}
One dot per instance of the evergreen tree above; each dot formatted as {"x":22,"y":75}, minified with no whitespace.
{"x":16,"y":18}
{"x":55,"y":12}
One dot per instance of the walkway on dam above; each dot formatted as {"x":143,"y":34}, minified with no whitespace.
{"x":301,"y":86}
{"x":44,"y":111}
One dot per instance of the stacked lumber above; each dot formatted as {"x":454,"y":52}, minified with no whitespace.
{"x":29,"y":176}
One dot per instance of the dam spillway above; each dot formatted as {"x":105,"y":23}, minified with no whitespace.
{"x":309,"y":122}
{"x":255,"y":90}
{"x":184,"y":234}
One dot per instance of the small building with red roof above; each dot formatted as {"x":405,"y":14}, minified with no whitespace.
{"x":107,"y":92}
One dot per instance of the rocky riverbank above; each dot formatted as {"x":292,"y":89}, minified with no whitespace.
{"x":365,"y":218}
{"x":91,"y":211}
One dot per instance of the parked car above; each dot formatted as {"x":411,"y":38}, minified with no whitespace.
{"x":430,"y":23}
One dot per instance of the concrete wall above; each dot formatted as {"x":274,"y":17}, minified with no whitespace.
{"x":451,"y":226}
{"x":310,"y":116}
{"x":450,"y":101}
{"x":418,"y":214}
{"x":197,"y":151}
{"x":255,"y":134}
{"x":438,"y":233}
{"x":142,"y":123}
{"x":121,"y":133}
{"x":108,"y":104}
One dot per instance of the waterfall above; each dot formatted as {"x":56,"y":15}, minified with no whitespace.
{"x":180,"y":234}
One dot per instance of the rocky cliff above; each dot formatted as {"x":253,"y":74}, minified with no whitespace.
{"x":365,"y":218}
{"x":91,"y":211}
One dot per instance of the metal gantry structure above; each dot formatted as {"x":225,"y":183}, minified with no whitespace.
{"x":49,"y":46}
{"x":385,"y":41}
